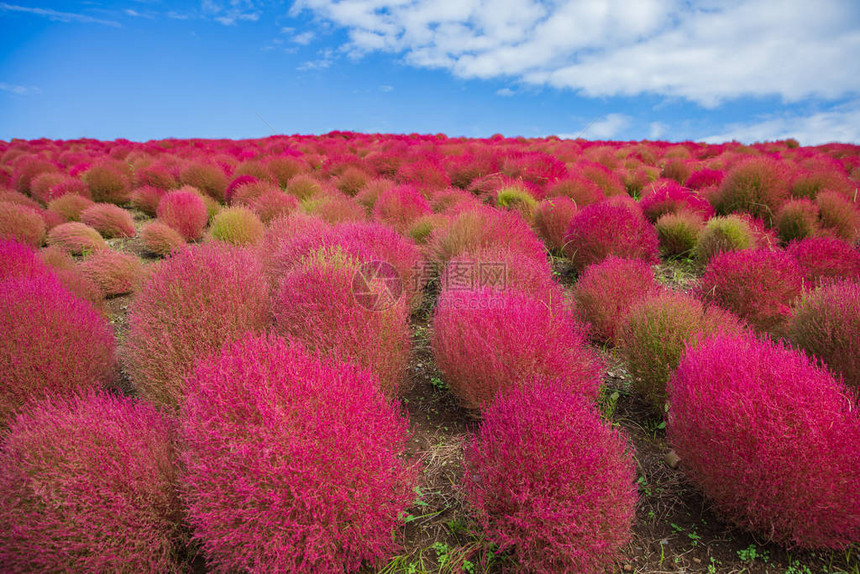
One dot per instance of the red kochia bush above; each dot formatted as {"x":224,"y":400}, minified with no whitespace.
{"x":146,"y":198}
{"x":207,"y":177}
{"x":76,"y":238}
{"x":109,"y":181}
{"x":552,"y":220}
{"x":109,"y":220}
{"x":551,"y":481}
{"x":52,"y":343}
{"x":606,"y":291}
{"x":19,"y":260}
{"x":771,"y":438}
{"x":668,"y":197}
{"x":21,"y":224}
{"x":90,"y":485}
{"x":185,"y":212}
{"x":755,"y":284}
{"x":114,"y":272}
{"x":161,"y":239}
{"x":334,"y":305}
{"x":186,"y":309}
{"x":825,"y":258}
{"x":69,"y":206}
{"x":293,"y":462}
{"x":479,"y":347}
{"x":400,"y":206}
{"x":826,"y":323}
{"x":603,"y":229}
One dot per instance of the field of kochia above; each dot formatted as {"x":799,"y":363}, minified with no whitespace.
{"x":414,"y":353}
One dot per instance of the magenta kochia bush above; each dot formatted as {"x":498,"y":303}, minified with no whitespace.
{"x":603,"y":229}
{"x":825,"y":258}
{"x":89,"y":484}
{"x":184,"y":211}
{"x":479,"y":345}
{"x":771,"y":438}
{"x":293,"y":462}
{"x":19,"y":260}
{"x":757,"y":285}
{"x":186,"y":309}
{"x":53,"y":343}
{"x":551,"y":481}
{"x":826,"y":323}
{"x":605,"y":292}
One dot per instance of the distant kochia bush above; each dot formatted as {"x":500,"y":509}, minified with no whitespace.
{"x":184,"y":211}
{"x":771,"y":438}
{"x":551,"y":481}
{"x":603,"y":229}
{"x":293,"y":462}
{"x":187,"y":308}
{"x":479,"y":347}
{"x":90,"y":485}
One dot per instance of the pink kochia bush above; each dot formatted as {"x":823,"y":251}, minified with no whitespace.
{"x":109,"y":220}
{"x":19,"y":260}
{"x":400,"y":206}
{"x":21,"y":223}
{"x":53,"y":343}
{"x":184,"y":211}
{"x":161,"y":239}
{"x":771,"y":438}
{"x":826,"y":323}
{"x":335,"y":305}
{"x":479,"y":345}
{"x":825,"y":258}
{"x":605,"y":292}
{"x":114,"y":272}
{"x":605,"y":228}
{"x":76,"y":238}
{"x":89,"y":484}
{"x":293,"y":462}
{"x":186,"y":309}
{"x":551,"y":481}
{"x":757,"y":285}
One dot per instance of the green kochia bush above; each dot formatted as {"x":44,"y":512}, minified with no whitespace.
{"x":771,"y":438}
{"x":293,"y":462}
{"x":551,"y":481}
{"x":89,"y":484}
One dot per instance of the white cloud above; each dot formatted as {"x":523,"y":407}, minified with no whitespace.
{"x":840,"y":124}
{"x":19,"y":90}
{"x":325,"y":60}
{"x":58,"y":16}
{"x":707,"y":51}
{"x":231,"y":12}
{"x":656,"y":130}
{"x":506,"y":92}
{"x":304,"y":38}
{"x":607,"y":127}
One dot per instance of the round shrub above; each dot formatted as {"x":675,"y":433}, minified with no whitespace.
{"x":337,"y":306}
{"x":678,"y":233}
{"x":19,"y":260}
{"x":41,"y":185}
{"x":757,"y":186}
{"x":21,"y":224}
{"x":70,"y":206}
{"x":757,"y":285}
{"x":825,"y":258}
{"x":668,"y":197}
{"x":160,"y":239}
{"x":656,"y":332}
{"x":246,"y":192}
{"x":273,"y":204}
{"x":146,"y":198}
{"x":334,"y":208}
{"x":552,"y":219}
{"x":53,"y":343}
{"x":283,"y":168}
{"x":184,"y":211}
{"x":90,"y":484}
{"x":578,"y":189}
{"x":605,"y":292}
{"x":704,"y":177}
{"x":303,"y":186}
{"x":826,"y":324}
{"x":796,"y":219}
{"x":76,"y":238}
{"x":294,"y":463}
{"x":516,"y":197}
{"x":840,"y":216}
{"x":115,"y":273}
{"x":352,"y":180}
{"x":186,"y":309}
{"x":551,"y":481}
{"x":400,"y":206}
{"x":722,"y":234}
{"x":237,"y":225}
{"x":109,"y":220}
{"x":478,"y":344}
{"x":605,"y":228}
{"x":770,"y":438}
{"x":109,"y":182}
{"x":208,"y":178}
{"x":368,"y":195}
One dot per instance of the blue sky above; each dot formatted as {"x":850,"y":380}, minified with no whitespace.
{"x":676,"y":70}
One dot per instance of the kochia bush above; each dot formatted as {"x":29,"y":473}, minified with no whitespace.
{"x":69,"y":206}
{"x":114,"y":272}
{"x":757,"y":186}
{"x":237,"y":225}
{"x":796,"y":219}
{"x":89,"y":484}
{"x":20,"y":260}
{"x":606,"y":228}
{"x":678,"y":233}
{"x":109,"y":220}
{"x":53,"y":343}
{"x":400,"y":206}
{"x":293,"y":462}
{"x":825,"y":258}
{"x":552,"y":219}
{"x":208,"y":178}
{"x":826,"y":323}
{"x":838,"y":215}
{"x":478,"y":345}
{"x":186,"y":309}
{"x":551,"y":481}
{"x":21,"y":223}
{"x":161,"y":239}
{"x":721,"y":234}
{"x":76,"y":238}
{"x":771,"y":438}
{"x":184,"y":211}
{"x":759,"y":286}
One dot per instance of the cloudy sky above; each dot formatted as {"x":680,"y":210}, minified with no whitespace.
{"x":711,"y":70}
